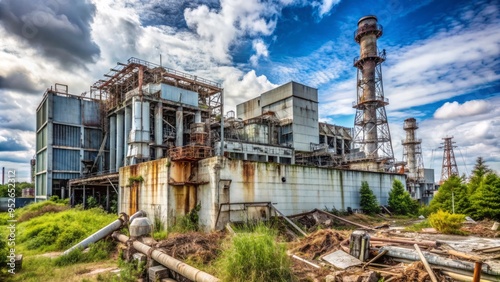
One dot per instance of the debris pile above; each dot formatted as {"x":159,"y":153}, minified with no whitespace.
{"x":319,"y":243}
{"x":194,"y":246}
{"x":394,"y":255}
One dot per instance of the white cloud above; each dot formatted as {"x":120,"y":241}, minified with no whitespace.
{"x":324,"y":7}
{"x":260,"y":49}
{"x":455,"y":109}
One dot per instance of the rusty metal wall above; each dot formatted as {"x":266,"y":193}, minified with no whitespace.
{"x":150,"y":195}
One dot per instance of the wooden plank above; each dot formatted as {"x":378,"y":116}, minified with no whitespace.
{"x":426,"y":264}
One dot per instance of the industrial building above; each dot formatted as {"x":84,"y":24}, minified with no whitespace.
{"x":157,"y":139}
{"x":69,"y":133}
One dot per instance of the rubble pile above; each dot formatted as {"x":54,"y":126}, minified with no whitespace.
{"x":200,"y":247}
{"x":394,"y":255}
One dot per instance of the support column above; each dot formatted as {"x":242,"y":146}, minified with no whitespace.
{"x":119,"y":140}
{"x":179,"y":123}
{"x":112,"y":143}
{"x":84,"y":198}
{"x":107,"y":198}
{"x":126,"y":133}
{"x":159,"y":129}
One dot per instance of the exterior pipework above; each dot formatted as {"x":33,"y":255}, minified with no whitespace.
{"x":126,"y":137}
{"x":112,"y":143}
{"x":105,"y":231}
{"x":119,"y":140}
{"x":159,"y":129}
{"x":178,"y":266}
{"x":179,"y":122}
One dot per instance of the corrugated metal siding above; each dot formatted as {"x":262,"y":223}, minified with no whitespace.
{"x":89,"y":155}
{"x":41,"y":184}
{"x":91,"y":113}
{"x":41,"y":115}
{"x":41,"y":138}
{"x":41,"y":161}
{"x":66,"y":160}
{"x":67,"y":110}
{"x":92,"y":138}
{"x":66,"y":135}
{"x":65,"y":175}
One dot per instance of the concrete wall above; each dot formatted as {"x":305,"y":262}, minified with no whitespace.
{"x":293,"y":188}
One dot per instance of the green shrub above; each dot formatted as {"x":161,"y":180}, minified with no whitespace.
{"x":400,"y":201}
{"x":368,"y":202}
{"x":446,"y":223}
{"x":255,"y":256}
{"x":424,"y":210}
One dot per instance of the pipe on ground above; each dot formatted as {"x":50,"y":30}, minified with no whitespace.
{"x":409,"y":254}
{"x":105,"y":231}
{"x":178,"y":266}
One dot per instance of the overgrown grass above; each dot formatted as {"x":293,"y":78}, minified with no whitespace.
{"x":417,"y":227}
{"x":254,"y":256}
{"x":36,"y":268}
{"x":187,"y":223}
{"x":97,"y":252}
{"x":129,"y":272}
{"x":59,"y":231}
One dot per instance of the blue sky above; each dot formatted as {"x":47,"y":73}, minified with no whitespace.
{"x":442,"y":67}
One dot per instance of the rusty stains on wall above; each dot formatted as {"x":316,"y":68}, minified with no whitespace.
{"x":185,"y":198}
{"x":248,"y":181}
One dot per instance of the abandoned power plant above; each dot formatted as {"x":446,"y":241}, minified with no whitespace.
{"x":160,"y":140}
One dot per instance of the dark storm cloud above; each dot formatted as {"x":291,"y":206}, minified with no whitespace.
{"x":60,"y":29}
{"x":12,"y":145}
{"x":19,"y":80}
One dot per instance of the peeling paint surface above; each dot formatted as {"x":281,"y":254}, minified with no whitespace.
{"x":213,"y":181}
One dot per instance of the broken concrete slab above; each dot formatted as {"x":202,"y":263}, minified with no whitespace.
{"x":341,"y":259}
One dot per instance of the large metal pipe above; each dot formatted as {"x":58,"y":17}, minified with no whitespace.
{"x":178,"y":266}
{"x":159,"y":130}
{"x":105,"y":231}
{"x":409,"y":254}
{"x":119,"y":140}
{"x":112,"y":143}
{"x":126,"y":133}
{"x":179,"y":129}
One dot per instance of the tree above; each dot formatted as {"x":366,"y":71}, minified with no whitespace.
{"x":400,"y":201}
{"x":486,"y":198}
{"x":368,"y":201}
{"x":478,"y":173}
{"x":452,"y":190}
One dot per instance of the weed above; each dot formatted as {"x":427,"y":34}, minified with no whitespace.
{"x":135,"y":179}
{"x":255,"y":256}
{"x":187,"y":223}
{"x":97,"y":251}
{"x":418,"y":226}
